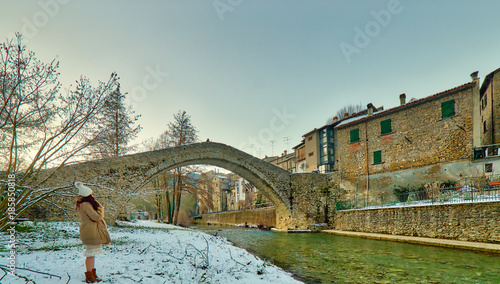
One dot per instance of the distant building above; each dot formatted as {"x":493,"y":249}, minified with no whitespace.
{"x":286,"y":161}
{"x":300,"y":157}
{"x":317,"y":151}
{"x":224,"y":192}
{"x":139,"y":215}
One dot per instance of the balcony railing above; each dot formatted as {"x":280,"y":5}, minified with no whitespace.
{"x":486,"y":151}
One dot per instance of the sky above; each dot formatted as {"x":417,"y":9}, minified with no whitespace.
{"x":257,"y":75}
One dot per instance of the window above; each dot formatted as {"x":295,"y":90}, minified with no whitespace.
{"x":485,"y":100}
{"x":448,"y":109}
{"x":309,"y":138}
{"x":485,"y":129}
{"x":355,"y":135}
{"x":377,"y":157}
{"x":385,"y":126}
{"x":488,"y":168}
{"x":311,"y":154}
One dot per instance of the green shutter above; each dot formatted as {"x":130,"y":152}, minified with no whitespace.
{"x":377,"y":157}
{"x":448,"y":109}
{"x":355,"y":135}
{"x":385,"y":126}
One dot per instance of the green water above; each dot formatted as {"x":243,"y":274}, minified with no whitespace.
{"x":322,"y":258}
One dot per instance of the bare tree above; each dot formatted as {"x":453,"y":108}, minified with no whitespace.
{"x":350,"y":109}
{"x":179,"y":132}
{"x":40,"y":127}
{"x":205,"y":193}
{"x":116,"y":124}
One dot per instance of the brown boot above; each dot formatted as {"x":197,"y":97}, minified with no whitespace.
{"x":89,"y":277}
{"x":95,"y":276}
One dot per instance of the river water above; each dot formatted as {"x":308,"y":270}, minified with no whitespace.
{"x":324,"y":258}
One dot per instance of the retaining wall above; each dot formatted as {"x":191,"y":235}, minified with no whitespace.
{"x":479,"y":222}
{"x":262,"y":216}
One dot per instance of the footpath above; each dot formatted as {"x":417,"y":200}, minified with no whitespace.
{"x":486,"y":247}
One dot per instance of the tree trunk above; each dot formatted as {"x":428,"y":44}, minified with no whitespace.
{"x":177,"y":196}
{"x":169,"y":210}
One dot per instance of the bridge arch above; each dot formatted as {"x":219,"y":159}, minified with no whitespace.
{"x":272,"y":181}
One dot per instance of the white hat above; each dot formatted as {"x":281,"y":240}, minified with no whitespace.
{"x":82,"y":189}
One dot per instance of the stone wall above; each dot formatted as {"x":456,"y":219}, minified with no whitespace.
{"x":477,"y":222}
{"x":490,"y":112}
{"x":313,"y":199}
{"x":419,"y":137}
{"x":263,"y":216}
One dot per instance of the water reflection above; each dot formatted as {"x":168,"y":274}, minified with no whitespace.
{"x":322,"y":258}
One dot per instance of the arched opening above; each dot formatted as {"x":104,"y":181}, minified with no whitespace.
{"x":257,"y":179}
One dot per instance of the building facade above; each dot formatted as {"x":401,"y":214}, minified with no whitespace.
{"x":433,"y":138}
{"x":490,"y":110}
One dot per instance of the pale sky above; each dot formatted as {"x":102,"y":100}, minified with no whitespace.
{"x":249,"y":72}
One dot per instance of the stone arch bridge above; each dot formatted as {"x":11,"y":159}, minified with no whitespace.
{"x":300,"y":199}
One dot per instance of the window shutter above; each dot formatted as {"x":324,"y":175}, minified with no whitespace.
{"x":377,"y":157}
{"x":448,"y":109}
{"x":355,"y":135}
{"x":385,"y":126}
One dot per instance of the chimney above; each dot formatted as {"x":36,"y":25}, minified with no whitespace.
{"x":335,"y":119}
{"x":370,"y":108}
{"x":402,"y":99}
{"x":346,"y":114}
{"x":285,"y":153}
{"x":473,"y":75}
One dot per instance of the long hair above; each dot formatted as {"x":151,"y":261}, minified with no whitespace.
{"x":90,"y":199}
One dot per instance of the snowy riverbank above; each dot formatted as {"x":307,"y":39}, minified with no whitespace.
{"x":142,"y":252}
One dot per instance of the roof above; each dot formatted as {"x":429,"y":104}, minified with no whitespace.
{"x":410,"y":104}
{"x":300,"y":144}
{"x":356,"y":115}
{"x":486,"y":82}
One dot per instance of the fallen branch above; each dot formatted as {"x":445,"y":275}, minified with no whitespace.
{"x":230,"y":255}
{"x":3,"y":267}
{"x":142,"y":251}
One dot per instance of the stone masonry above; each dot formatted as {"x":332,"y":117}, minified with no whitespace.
{"x":477,"y":222}
{"x":419,"y":137}
{"x":295,"y":196}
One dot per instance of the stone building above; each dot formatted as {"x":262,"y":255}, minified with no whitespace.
{"x":439,"y":137}
{"x":431,"y":131}
{"x":490,"y":110}
{"x":213,"y":192}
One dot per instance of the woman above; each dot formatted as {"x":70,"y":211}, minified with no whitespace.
{"x":93,"y":231}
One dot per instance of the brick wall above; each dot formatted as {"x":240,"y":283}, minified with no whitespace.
{"x":468,"y":222}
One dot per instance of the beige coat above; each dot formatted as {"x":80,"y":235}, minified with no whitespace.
{"x":93,"y":229}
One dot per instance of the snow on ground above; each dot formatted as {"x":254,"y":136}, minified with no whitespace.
{"x":141,"y":252}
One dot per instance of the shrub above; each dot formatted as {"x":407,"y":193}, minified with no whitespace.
{"x":401,"y":192}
